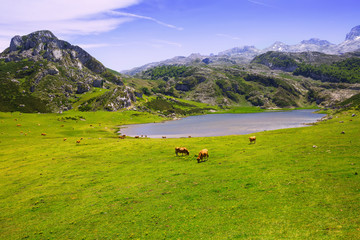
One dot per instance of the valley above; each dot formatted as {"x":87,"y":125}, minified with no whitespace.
{"x":66,"y":172}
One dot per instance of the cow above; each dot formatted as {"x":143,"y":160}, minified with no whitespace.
{"x":78,"y":141}
{"x":163,"y":136}
{"x":136,"y":136}
{"x":252,"y":139}
{"x":43,"y":134}
{"x":65,"y":139}
{"x":181,"y":150}
{"x":203,"y":154}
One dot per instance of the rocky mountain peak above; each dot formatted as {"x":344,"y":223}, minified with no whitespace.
{"x":32,"y":40}
{"x":45,"y":45}
{"x":239,"y":50}
{"x":316,"y":41}
{"x":354,"y":34}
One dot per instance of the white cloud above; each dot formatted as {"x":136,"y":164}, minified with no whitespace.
{"x":56,"y":10}
{"x":116,"y":13}
{"x":95,"y":45}
{"x":69,"y":18}
{"x":260,"y":3}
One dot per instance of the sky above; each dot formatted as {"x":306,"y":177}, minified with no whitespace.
{"x":123,"y":34}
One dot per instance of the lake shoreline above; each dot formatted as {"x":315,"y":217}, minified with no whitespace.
{"x":212,"y":125}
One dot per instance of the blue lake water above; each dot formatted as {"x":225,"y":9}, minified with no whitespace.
{"x":223,"y":124}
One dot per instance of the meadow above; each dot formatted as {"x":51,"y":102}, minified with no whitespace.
{"x":300,"y":183}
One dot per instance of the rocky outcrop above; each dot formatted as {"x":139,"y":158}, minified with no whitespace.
{"x":45,"y":45}
{"x":56,"y":72}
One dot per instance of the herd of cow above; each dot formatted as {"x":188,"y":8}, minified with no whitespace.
{"x":203,"y":154}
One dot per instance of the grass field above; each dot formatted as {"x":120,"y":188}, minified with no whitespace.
{"x":301,"y":183}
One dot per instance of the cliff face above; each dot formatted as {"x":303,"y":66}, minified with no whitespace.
{"x":57,"y":73}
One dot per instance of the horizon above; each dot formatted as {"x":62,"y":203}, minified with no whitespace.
{"x":123,"y":34}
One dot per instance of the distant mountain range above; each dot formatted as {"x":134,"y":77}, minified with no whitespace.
{"x":241,"y":55}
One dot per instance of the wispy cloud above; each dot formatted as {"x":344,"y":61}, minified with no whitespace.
{"x":164,"y":42}
{"x":155,"y":43}
{"x":228,"y":36}
{"x":66,"y":17}
{"x":124,"y":14}
{"x":260,"y":3}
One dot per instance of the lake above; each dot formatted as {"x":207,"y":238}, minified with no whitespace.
{"x":223,"y":124}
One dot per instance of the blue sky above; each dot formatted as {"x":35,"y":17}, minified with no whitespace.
{"x":128,"y":33}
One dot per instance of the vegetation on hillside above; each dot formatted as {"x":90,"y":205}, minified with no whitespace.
{"x":347,"y":71}
{"x":169,"y":71}
{"x":276,"y":60}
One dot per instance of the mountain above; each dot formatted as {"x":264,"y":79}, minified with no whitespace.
{"x":247,"y":51}
{"x":49,"y":75}
{"x":354,"y":34}
{"x":244,"y":54}
{"x":254,"y":84}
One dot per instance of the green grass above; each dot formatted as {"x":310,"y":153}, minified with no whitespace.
{"x":109,"y":188}
{"x":240,"y":109}
{"x":96,"y":92}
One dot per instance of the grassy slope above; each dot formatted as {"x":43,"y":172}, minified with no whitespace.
{"x":109,"y":188}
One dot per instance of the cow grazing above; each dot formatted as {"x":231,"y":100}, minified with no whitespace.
{"x":203,"y":154}
{"x":136,"y":136}
{"x":43,"y":134}
{"x":181,"y":150}
{"x":252,"y":139}
{"x":122,"y":136}
{"x":65,"y":139}
{"x":18,"y":125}
{"x":163,"y":136}
{"x":78,"y":141}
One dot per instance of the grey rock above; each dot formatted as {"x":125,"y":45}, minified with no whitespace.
{"x":98,"y":83}
{"x":82,"y":88}
{"x":16,"y":42}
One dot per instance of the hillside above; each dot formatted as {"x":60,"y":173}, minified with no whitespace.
{"x":40,"y":73}
{"x":248,"y":85}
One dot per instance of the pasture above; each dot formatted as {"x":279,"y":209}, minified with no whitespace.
{"x":301,"y":183}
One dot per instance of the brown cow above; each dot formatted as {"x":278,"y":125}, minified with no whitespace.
{"x":252,"y":139}
{"x":78,"y":141}
{"x":203,"y":154}
{"x":181,"y":150}
{"x":43,"y":134}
